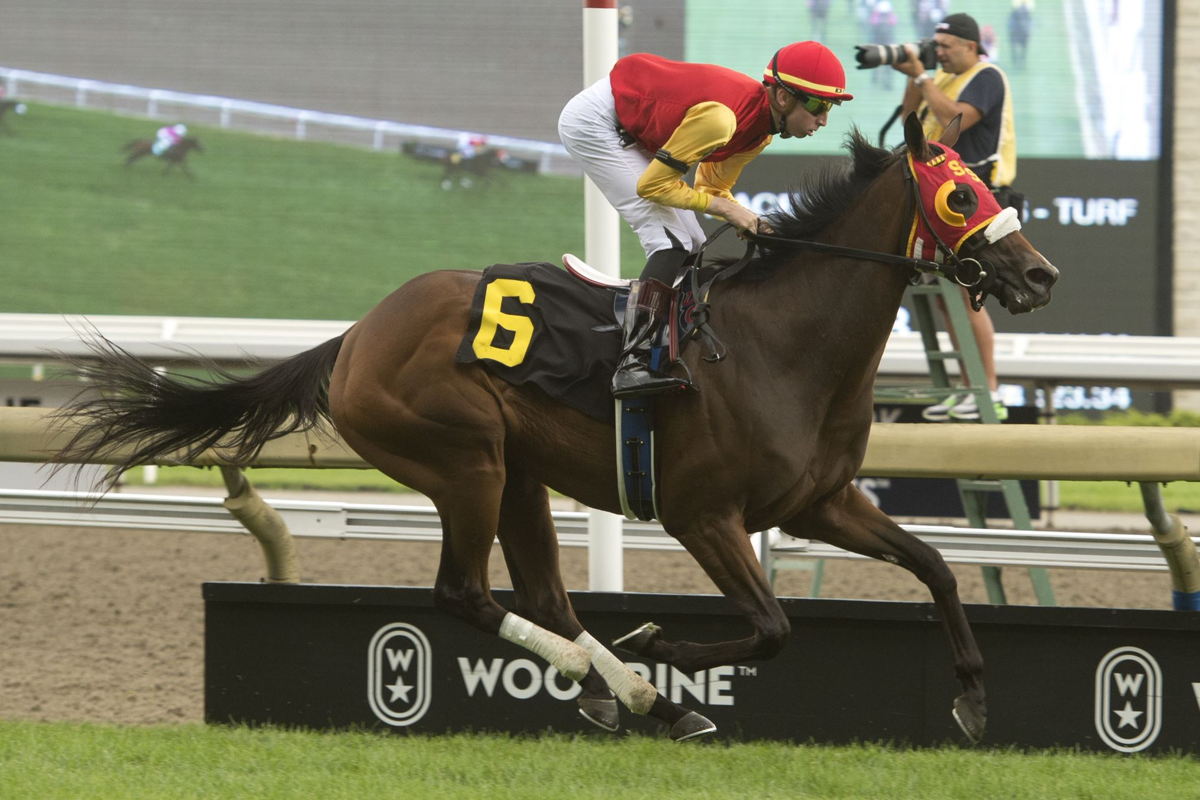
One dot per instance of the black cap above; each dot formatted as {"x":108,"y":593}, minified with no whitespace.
{"x":963,"y":26}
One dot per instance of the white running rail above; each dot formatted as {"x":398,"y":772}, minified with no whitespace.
{"x":413,"y":523}
{"x":227,"y":112}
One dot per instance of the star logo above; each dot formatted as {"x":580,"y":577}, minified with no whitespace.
{"x":1129,"y":717}
{"x":400,"y":690}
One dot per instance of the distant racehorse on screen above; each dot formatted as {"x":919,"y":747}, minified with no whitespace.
{"x":774,"y":437}
{"x":174,"y":156}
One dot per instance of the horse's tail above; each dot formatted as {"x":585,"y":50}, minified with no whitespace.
{"x":141,"y":414}
{"x":131,"y":144}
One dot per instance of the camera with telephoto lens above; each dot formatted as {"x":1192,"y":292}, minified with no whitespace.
{"x":875,"y":55}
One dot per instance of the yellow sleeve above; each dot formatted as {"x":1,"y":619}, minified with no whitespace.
{"x":705,"y":127}
{"x":718,"y":177}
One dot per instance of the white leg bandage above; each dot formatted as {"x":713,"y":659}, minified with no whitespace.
{"x":632,"y":689}
{"x":569,"y":659}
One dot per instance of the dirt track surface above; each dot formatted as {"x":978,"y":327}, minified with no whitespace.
{"x":107,"y":625}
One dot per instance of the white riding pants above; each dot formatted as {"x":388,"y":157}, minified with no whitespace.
{"x":588,"y":129}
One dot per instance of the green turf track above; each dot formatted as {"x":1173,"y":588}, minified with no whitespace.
{"x":50,"y":762}
{"x":269,"y":228}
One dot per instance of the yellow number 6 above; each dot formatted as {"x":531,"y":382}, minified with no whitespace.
{"x":521,"y":327}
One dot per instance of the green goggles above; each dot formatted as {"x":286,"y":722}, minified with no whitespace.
{"x":812,"y":104}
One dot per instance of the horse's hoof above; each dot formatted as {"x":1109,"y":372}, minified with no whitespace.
{"x":971,"y":716}
{"x":638,"y":641}
{"x":603,"y":713}
{"x":690,"y":726}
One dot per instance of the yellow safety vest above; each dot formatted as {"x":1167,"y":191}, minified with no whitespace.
{"x":1004,"y":169}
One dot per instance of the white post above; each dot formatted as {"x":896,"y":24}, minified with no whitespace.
{"x":602,"y":249}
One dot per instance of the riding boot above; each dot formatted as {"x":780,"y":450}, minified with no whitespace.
{"x":649,"y":302}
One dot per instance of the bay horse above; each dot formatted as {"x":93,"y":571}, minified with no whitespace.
{"x":174,"y":156}
{"x":15,"y":106}
{"x":774,"y":438}
{"x":465,"y":172}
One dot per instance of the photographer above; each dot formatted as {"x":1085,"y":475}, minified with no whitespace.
{"x":967,"y":84}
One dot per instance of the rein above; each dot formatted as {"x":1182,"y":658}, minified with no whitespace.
{"x":968,"y":272}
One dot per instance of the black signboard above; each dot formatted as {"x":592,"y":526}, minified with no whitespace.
{"x":333,"y":657}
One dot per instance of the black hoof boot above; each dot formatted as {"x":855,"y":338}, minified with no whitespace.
{"x":971,"y":716}
{"x":691,"y":726}
{"x":603,"y":713}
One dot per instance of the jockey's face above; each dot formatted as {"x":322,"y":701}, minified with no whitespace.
{"x":798,"y":121}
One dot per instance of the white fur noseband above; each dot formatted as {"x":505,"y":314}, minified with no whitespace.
{"x":1002,"y":225}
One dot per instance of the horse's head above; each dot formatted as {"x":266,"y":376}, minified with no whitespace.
{"x":958,"y":216}
{"x":191,"y":143}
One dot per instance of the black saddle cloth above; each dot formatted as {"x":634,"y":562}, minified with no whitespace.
{"x":534,"y":323}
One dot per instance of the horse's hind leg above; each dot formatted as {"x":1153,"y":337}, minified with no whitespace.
{"x":469,"y":523}
{"x":851,"y":522}
{"x":530,"y":545}
{"x":722,"y":548}
{"x":469,"y":505}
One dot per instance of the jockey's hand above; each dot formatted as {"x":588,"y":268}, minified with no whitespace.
{"x":736,"y":214}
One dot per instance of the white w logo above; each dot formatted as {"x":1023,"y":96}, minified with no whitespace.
{"x":1128,"y":695}
{"x":1129,"y":684}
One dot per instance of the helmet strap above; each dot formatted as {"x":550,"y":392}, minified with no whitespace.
{"x":781,"y":128}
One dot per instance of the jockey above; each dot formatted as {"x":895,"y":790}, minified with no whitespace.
{"x":167,"y":137}
{"x":637,"y":133}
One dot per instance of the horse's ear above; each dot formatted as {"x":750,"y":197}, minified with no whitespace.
{"x":914,"y":137}
{"x":950,"y":135}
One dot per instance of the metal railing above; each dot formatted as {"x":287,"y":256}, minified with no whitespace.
{"x":415,"y":523}
{"x":248,"y":115}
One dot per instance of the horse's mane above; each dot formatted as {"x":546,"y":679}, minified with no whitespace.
{"x":820,"y":197}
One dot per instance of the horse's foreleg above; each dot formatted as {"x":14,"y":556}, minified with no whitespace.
{"x":723,"y":549}
{"x":852,"y":522}
{"x":530,"y":545}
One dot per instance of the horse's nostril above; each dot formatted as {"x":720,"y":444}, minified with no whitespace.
{"x":1040,"y":276}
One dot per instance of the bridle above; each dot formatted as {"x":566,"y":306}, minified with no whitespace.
{"x":971,"y":273}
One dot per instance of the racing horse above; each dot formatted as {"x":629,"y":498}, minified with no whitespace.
{"x":174,"y":156}
{"x":775,"y":437}
{"x":15,"y":106}
{"x":467,"y":171}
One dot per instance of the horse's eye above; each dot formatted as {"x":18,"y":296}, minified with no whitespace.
{"x":963,"y":200}
{"x":955,"y":203}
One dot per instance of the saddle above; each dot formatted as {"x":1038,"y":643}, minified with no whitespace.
{"x":560,"y":330}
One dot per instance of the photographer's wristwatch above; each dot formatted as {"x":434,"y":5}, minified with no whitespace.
{"x":917,"y":81}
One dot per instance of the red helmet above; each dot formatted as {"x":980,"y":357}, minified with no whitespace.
{"x":808,"y":67}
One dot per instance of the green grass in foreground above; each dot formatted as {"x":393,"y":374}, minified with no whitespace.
{"x":50,"y":761}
